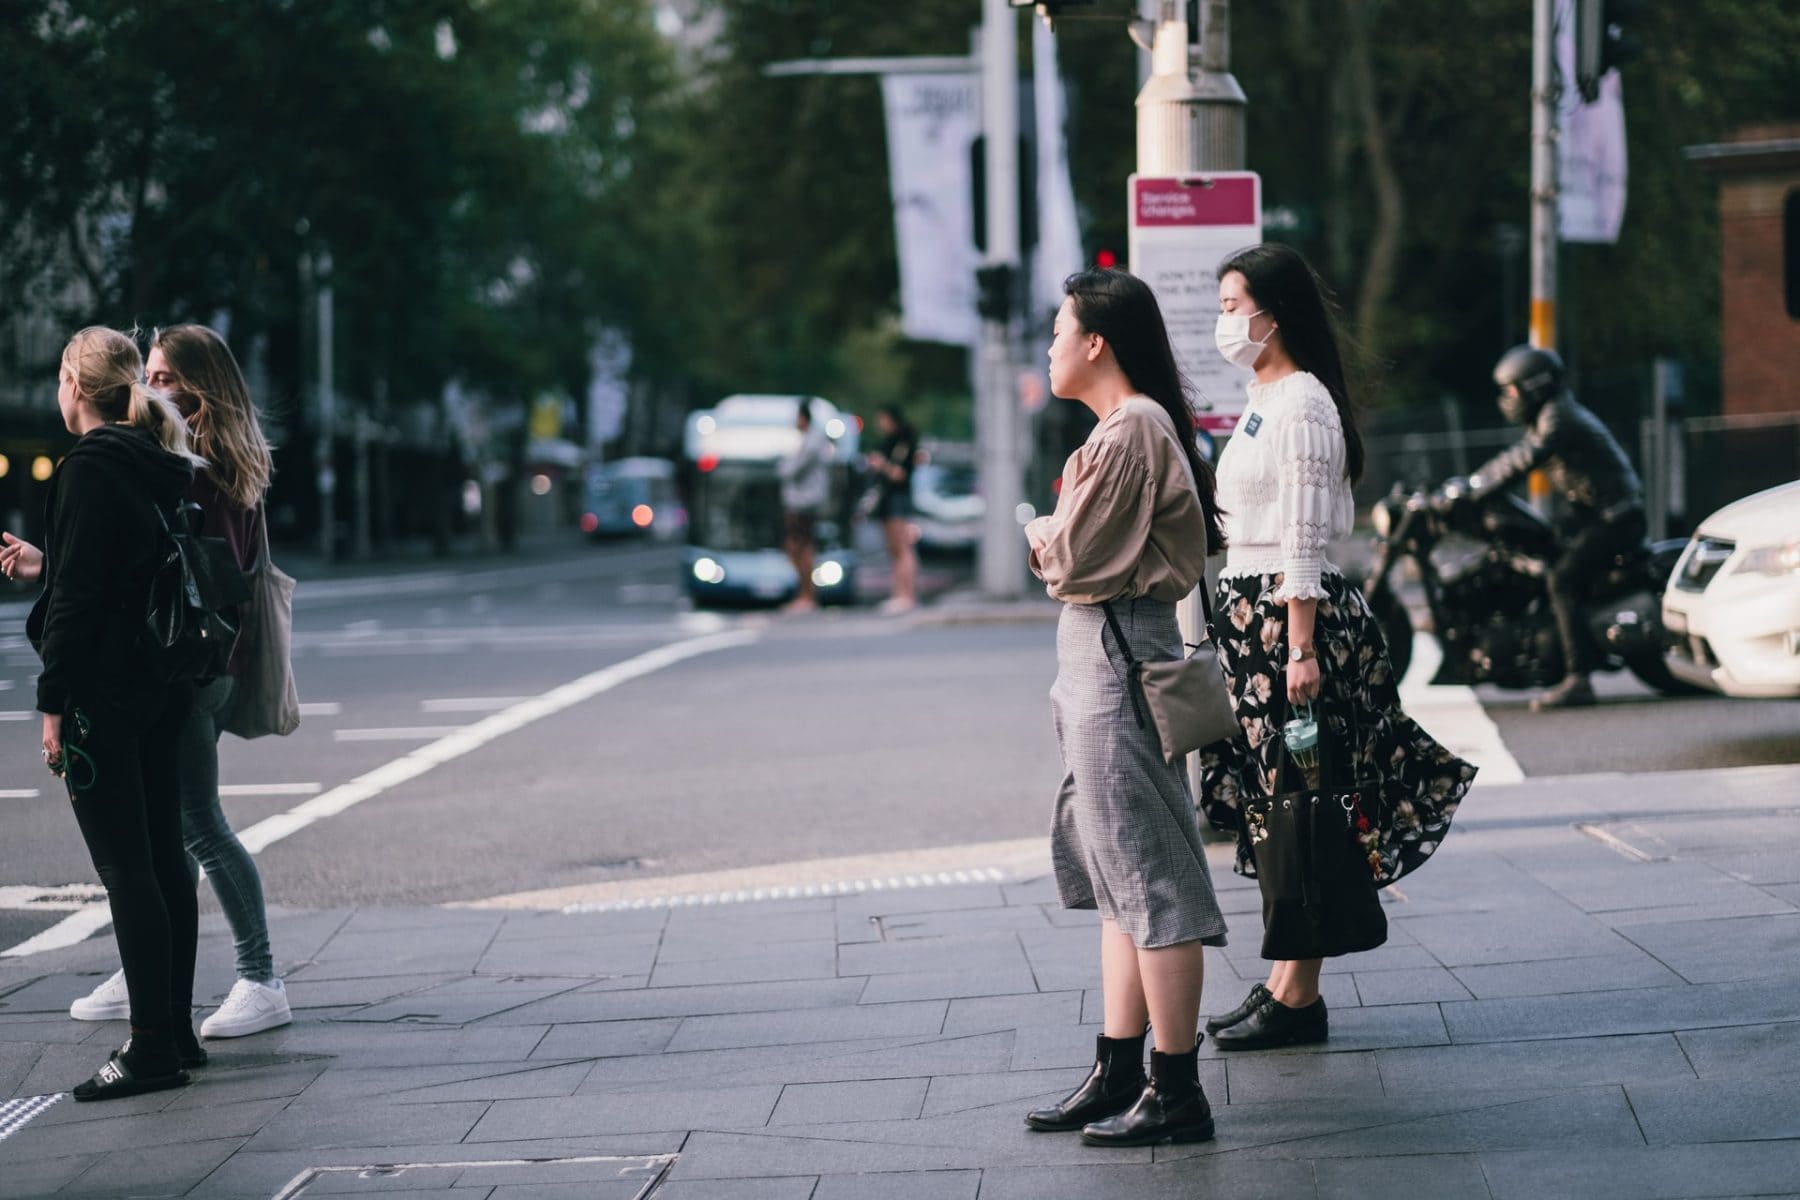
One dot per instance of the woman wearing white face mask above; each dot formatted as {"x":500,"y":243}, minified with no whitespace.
{"x":1290,"y":629}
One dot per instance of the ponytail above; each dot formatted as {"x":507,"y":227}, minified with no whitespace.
{"x":150,"y":411}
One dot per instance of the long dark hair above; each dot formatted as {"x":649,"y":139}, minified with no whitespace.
{"x":1121,"y":308}
{"x":1286,"y":287}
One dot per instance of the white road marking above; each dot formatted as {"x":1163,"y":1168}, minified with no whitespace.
{"x":62,"y":897}
{"x":464,"y":740}
{"x":17,"y":716}
{"x":19,"y":793}
{"x":1454,"y":716}
{"x":321,"y":708}
{"x":470,"y":704}
{"x":398,"y":733}
{"x":270,"y":789}
{"x":7,"y":685}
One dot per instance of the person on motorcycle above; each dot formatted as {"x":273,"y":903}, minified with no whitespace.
{"x":1590,"y":470}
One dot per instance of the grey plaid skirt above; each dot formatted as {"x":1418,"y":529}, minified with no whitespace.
{"x":1125,"y":838}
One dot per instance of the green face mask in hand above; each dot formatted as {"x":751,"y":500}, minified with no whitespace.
{"x":76,"y":767}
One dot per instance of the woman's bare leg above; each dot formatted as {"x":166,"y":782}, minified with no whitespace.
{"x":1172,"y":980}
{"x":1122,"y":989}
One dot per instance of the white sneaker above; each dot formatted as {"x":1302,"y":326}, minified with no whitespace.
{"x":108,"y":1002}
{"x":250,"y":1008}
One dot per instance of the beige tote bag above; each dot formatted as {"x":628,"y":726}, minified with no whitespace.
{"x":266,"y":700}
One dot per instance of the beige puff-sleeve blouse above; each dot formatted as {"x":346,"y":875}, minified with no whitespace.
{"x":1128,"y":523}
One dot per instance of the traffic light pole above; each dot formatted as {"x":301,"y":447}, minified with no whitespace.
{"x":997,"y":435}
{"x":1190,"y":121}
{"x":1543,"y":174}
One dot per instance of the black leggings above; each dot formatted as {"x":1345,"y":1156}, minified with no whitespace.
{"x":130,"y":817}
{"x":1587,"y":557}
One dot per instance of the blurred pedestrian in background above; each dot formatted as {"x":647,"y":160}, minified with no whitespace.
{"x":892,"y":465}
{"x":193,"y":367}
{"x":1291,"y":629}
{"x":111,"y":726}
{"x":1132,"y":528}
{"x":805,"y":488}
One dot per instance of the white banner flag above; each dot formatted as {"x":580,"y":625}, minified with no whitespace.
{"x":932,"y":122}
{"x":1590,"y":147}
{"x":1059,"y":233}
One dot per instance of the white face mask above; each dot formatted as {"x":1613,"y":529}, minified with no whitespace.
{"x":1232,"y":336}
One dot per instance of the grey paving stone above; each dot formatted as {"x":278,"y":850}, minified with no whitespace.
{"x":637,"y":1169}
{"x":45,"y":1138}
{"x":795,"y":960}
{"x":217,"y":1085}
{"x":305,"y":993}
{"x":614,"y":1189}
{"x":1716,"y":1110}
{"x":758,"y":922}
{"x":1041,"y":890}
{"x":1462,"y":1124}
{"x":1414,"y":986}
{"x":1063,"y":959}
{"x":366,"y":1125}
{"x":1744,"y":1051}
{"x":987,"y":1013}
{"x":1518,"y":934}
{"x":811,"y":1025}
{"x":1019,"y":1090}
{"x":253,"y":1173}
{"x":1437,"y":1176}
{"x":35,"y":1030}
{"x":904,"y":926}
{"x":858,"y":927}
{"x":521,"y":926}
{"x":1381,"y":1028}
{"x":1741,"y":948}
{"x":911,"y":901}
{"x":628,"y":954}
{"x":961,"y":952}
{"x":1645,"y":1010}
{"x":1267,"y":1078}
{"x":16,"y":1061}
{"x":1565,"y":1062}
{"x":528,"y":1083}
{"x":403,"y":1045}
{"x":347,"y":1083}
{"x":1647,"y":1173}
{"x":785,"y":1187}
{"x":465,"y":1000}
{"x":587,"y":1004}
{"x":169,"y":1170}
{"x":909,"y":1185}
{"x":1220,"y":1177}
{"x":1038,"y":1047}
{"x":606,"y":1039}
{"x":1561,"y":976}
{"x":638,"y":1112}
{"x":1010,"y":979}
{"x":49,"y":995}
{"x":40,"y":1177}
{"x":864,"y":1100}
{"x":825,"y":1062}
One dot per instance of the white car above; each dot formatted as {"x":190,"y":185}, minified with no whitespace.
{"x":1732,"y":608}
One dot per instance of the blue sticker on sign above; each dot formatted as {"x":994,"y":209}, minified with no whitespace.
{"x":1253,"y":424}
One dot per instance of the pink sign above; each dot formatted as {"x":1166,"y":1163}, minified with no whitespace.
{"x":1197,"y":201}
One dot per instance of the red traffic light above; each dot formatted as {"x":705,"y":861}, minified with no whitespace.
{"x":1106,"y":260}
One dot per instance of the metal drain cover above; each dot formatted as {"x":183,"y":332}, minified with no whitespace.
{"x":602,"y":1176}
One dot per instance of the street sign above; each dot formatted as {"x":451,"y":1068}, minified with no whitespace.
{"x":1182,"y":227}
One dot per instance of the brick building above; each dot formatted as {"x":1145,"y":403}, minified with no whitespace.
{"x":1758,"y":172}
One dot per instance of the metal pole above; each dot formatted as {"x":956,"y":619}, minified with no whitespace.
{"x":997,"y":425}
{"x":1543,"y":174}
{"x":327,"y":412}
{"x":1191,"y":118}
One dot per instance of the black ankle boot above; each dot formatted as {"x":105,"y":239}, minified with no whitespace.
{"x":1171,"y":1108}
{"x":1251,"y":1003}
{"x":1116,"y":1081}
{"x":1275,"y":1024}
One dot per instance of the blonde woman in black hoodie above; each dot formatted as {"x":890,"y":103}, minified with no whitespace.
{"x":110,"y":724}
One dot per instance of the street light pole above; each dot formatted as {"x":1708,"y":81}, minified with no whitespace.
{"x":1543,"y":174}
{"x":327,"y":410}
{"x":997,"y":434}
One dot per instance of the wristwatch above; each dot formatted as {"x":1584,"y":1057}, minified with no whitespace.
{"x":1298,"y":654}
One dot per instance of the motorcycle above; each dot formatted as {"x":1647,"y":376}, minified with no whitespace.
{"x":1491,"y":613}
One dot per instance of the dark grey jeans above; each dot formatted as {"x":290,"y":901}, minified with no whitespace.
{"x":208,"y":836}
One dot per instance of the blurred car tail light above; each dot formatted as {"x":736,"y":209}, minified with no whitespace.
{"x":589,"y":522}
{"x":642,"y":515}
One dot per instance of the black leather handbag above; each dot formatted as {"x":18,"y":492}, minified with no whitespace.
{"x":1313,"y":860}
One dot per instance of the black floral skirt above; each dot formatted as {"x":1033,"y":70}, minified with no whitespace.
{"x":1421,"y":783}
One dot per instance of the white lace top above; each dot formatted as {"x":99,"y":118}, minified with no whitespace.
{"x":1282,"y":486}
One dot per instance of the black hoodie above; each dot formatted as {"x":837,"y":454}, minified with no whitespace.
{"x":104,"y":540}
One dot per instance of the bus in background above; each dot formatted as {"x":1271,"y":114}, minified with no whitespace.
{"x":632,"y":497}
{"x":734,"y":502}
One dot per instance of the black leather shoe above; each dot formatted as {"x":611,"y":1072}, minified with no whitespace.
{"x":1116,"y":1081}
{"x":127,"y":1074}
{"x":1251,"y":1003}
{"x":1575,"y":691}
{"x":1275,"y":1024}
{"x":1171,"y":1108}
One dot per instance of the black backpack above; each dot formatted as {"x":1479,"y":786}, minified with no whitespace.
{"x":191,"y":617}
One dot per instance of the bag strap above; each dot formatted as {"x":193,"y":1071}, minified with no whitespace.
{"x":1134,"y":685}
{"x":262,"y":526}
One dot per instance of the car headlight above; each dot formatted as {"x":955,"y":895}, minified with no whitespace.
{"x":828,"y":574}
{"x":1783,"y":558}
{"x":708,"y":571}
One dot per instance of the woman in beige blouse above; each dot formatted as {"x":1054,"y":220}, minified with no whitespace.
{"x":1131,"y":532}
